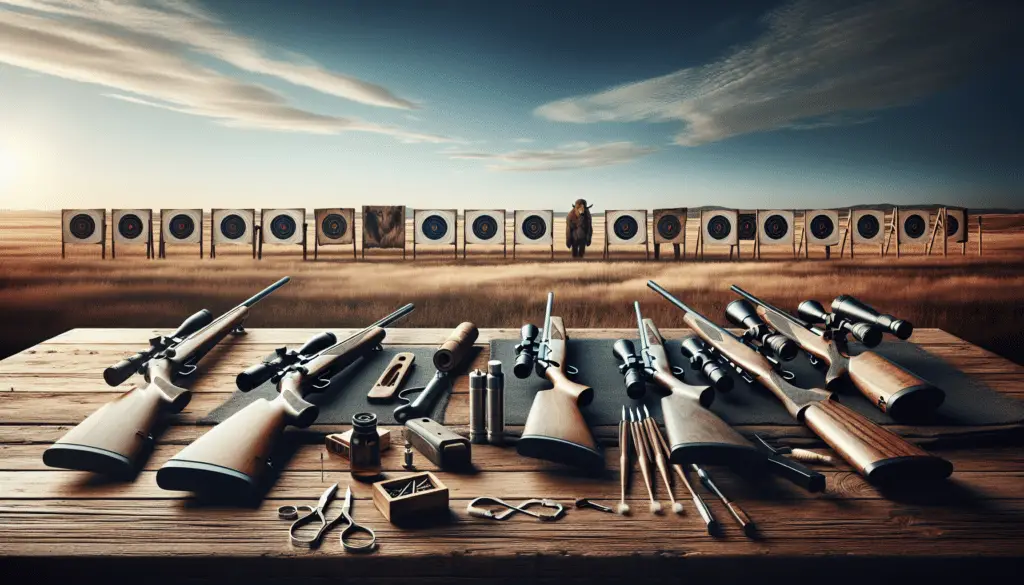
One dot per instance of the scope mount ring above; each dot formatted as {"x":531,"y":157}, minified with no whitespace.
{"x":678,"y":371}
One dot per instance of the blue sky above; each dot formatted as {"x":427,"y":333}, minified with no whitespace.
{"x":167,"y":103}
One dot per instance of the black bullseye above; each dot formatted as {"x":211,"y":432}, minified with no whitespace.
{"x":129,"y":226}
{"x":182,"y":226}
{"x":283,"y":227}
{"x":232,"y":227}
{"x":435,"y":227}
{"x":868,"y":226}
{"x":334,"y":226}
{"x":669,"y":227}
{"x":534,"y":227}
{"x":776,"y":227}
{"x":719,"y":227}
{"x":485,"y":227}
{"x":626,"y":227}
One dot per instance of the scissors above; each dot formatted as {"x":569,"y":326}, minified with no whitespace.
{"x":317,"y":515}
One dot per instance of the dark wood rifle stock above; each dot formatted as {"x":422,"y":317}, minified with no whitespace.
{"x":555,"y":429}
{"x":890,"y":387}
{"x":232,"y":457}
{"x":877,"y":454}
{"x":112,"y":439}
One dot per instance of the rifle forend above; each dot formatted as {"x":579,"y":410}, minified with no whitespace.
{"x":555,"y":429}
{"x":112,"y":440}
{"x":876,"y":453}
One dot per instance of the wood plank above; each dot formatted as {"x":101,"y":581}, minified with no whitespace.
{"x":28,"y":457}
{"x":813,"y":528}
{"x":564,"y":485}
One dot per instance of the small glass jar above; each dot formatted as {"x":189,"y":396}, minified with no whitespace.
{"x":364,"y":454}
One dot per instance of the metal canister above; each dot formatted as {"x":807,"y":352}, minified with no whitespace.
{"x":477,"y":407}
{"x":495,"y":403}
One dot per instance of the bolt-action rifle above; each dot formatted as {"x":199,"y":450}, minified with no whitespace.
{"x":112,"y":439}
{"x":555,"y":429}
{"x":877,"y":454}
{"x":695,"y":434}
{"x":890,"y":387}
{"x":231,"y":457}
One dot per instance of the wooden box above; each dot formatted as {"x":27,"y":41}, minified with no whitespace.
{"x":411,"y":507}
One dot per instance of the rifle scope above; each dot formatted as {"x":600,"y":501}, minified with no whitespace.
{"x":124,"y":369}
{"x":866,"y":333}
{"x":256,"y":375}
{"x":852,"y":309}
{"x":526,"y":351}
{"x":742,"y":314}
{"x":631,"y":368}
{"x":694,"y":349}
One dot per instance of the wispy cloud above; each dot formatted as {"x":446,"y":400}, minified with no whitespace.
{"x":154,"y":50}
{"x":524,"y":140}
{"x":570,"y":156}
{"x":817,"y":58}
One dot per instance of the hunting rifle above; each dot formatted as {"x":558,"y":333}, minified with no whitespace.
{"x":890,"y":387}
{"x":555,"y":429}
{"x":232,"y":456}
{"x":112,"y":439}
{"x":877,"y":454}
{"x":695,"y":434}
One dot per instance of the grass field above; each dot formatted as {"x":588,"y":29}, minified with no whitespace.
{"x":979,"y":299}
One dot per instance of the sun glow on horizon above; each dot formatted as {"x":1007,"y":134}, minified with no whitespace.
{"x":8,"y":168}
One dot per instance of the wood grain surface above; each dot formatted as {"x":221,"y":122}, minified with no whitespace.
{"x":56,"y":523}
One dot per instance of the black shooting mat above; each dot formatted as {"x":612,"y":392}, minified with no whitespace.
{"x":346,"y":395}
{"x":969,"y":402}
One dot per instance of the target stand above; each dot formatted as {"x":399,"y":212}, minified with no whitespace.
{"x":484,"y":227}
{"x":534,"y":228}
{"x":79,"y":227}
{"x":185,"y":227}
{"x":821,"y":227}
{"x":255,"y":236}
{"x":305,"y":235}
{"x":775,"y":227}
{"x":150,"y":247}
{"x":865,"y":226}
{"x":626,"y":228}
{"x":722,"y":222}
{"x":436,"y":227}
{"x":950,"y":227}
{"x":317,"y":244}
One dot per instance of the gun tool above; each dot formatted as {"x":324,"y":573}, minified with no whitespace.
{"x":624,"y":466}
{"x":641,"y":450}
{"x":659,"y":458}
{"x":804,"y":455}
{"x":734,"y":508}
{"x":437,"y":443}
{"x":477,"y":407}
{"x":585,"y":503}
{"x":391,"y":380}
{"x":495,"y":407}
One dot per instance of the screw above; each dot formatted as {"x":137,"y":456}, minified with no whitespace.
{"x":585,"y":503}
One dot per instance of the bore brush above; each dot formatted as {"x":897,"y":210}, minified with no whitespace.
{"x":659,"y":459}
{"x":698,"y":502}
{"x":623,"y":507}
{"x":734,"y":508}
{"x":641,"y":455}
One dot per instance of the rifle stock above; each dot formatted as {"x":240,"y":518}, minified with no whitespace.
{"x":555,"y":429}
{"x":232,"y":457}
{"x":113,"y":439}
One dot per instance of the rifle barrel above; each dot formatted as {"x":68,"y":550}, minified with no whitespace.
{"x":784,"y":314}
{"x":642,"y":331}
{"x":389,"y":319}
{"x":670,"y":297}
{"x":546,"y":337}
{"x":265,"y":292}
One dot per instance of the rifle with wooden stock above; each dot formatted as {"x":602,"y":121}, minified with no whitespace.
{"x":112,"y":439}
{"x":555,"y":429}
{"x":695,"y":434}
{"x":232,"y":457}
{"x":877,"y":454}
{"x":892,"y":388}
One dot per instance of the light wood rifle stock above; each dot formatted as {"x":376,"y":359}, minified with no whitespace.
{"x":555,"y":429}
{"x":877,"y":454}
{"x":232,"y":457}
{"x":112,"y":440}
{"x":890,"y":387}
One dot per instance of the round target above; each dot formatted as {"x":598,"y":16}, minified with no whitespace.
{"x":776,"y":227}
{"x":83,"y":226}
{"x":719,"y":227}
{"x":822,"y":227}
{"x":182,"y":226}
{"x":232,"y":226}
{"x":534,"y":227}
{"x":129,"y":226}
{"x":283,"y":226}
{"x":435,"y":227}
{"x":746,"y":228}
{"x":625,"y":227}
{"x":334,"y":226}
{"x":868,"y":226}
{"x":952,"y":225}
{"x":914,"y":226}
{"x":485,"y":227}
{"x":669,"y":227}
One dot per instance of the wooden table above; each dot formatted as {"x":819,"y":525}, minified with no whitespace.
{"x":59,"y":524}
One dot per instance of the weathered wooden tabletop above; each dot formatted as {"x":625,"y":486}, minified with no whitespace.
{"x":59,"y":524}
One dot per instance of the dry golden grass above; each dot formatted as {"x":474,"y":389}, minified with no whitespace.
{"x":979,"y":299}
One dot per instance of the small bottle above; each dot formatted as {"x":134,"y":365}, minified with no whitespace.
{"x":477,"y":407}
{"x":495,"y":403}
{"x":364,"y":454}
